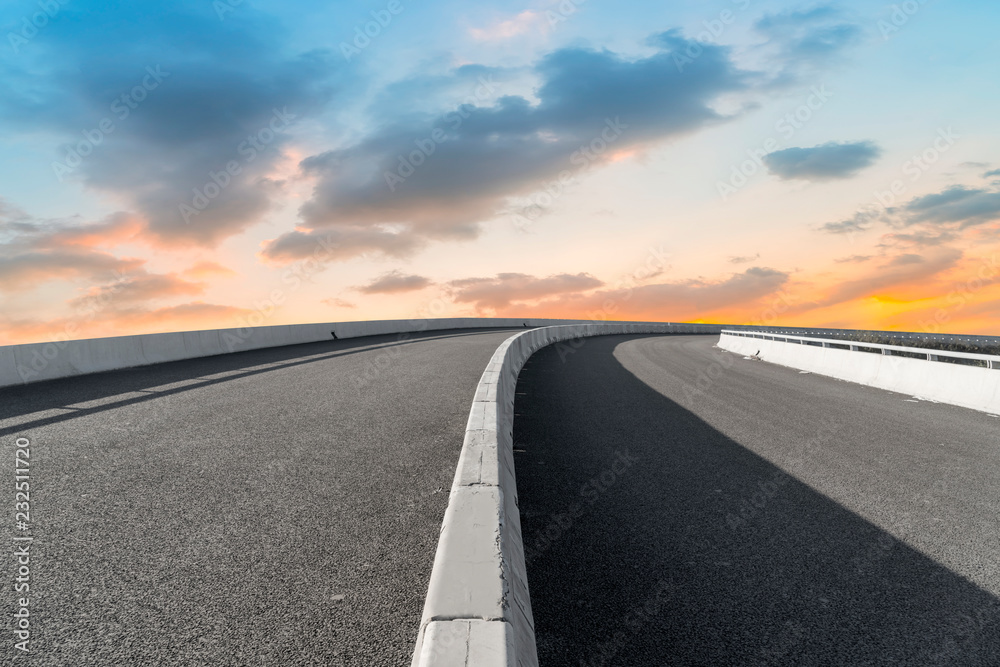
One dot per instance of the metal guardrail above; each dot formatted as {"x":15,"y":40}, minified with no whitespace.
{"x":991,"y":361}
{"x":967,"y":339}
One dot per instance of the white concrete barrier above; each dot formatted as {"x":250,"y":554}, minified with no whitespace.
{"x":34,"y":362}
{"x":478,"y":611}
{"x":968,"y":386}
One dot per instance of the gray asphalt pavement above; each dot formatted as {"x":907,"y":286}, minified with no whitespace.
{"x":261,"y":508}
{"x":682,"y":505}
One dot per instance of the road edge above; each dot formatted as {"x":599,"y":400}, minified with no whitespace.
{"x":478,"y":609}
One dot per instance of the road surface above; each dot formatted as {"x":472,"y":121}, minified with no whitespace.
{"x":274,"y":507}
{"x":682,"y":505}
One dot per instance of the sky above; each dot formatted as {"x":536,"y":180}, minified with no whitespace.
{"x":183,"y":165}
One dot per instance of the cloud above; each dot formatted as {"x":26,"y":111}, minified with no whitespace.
{"x":905,"y":271}
{"x":35,"y":251}
{"x":141,"y":288}
{"x":334,"y":244}
{"x":933,"y":219}
{"x":31,"y":268}
{"x":743,"y":260}
{"x":992,"y":173}
{"x":906,"y":259}
{"x":185,"y":95}
{"x":700,"y":295}
{"x":207,"y":269}
{"x":829,"y":161}
{"x":115,"y":292}
{"x":580,"y":296}
{"x":440,"y":178}
{"x":526,"y":21}
{"x":507,"y":288}
{"x":859,"y":222}
{"x":958,"y":205}
{"x":22,"y":230}
{"x":854,"y":259}
{"x":804,"y":39}
{"x":920,"y":239}
{"x":395,"y":282}
{"x":339,"y":303}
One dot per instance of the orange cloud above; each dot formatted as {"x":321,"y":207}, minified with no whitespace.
{"x":38,"y":251}
{"x":139,"y":288}
{"x":207,"y":269}
{"x":114,"y":230}
{"x":29,"y":268}
{"x":579,"y":297}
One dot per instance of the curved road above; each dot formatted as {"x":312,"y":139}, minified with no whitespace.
{"x":682,"y":505}
{"x":274,"y":507}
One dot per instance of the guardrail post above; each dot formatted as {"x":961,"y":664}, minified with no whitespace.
{"x":887,"y":352}
{"x":855,"y":348}
{"x":932,"y":357}
{"x":826,"y":344}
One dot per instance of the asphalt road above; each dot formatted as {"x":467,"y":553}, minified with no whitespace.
{"x":682,"y":505}
{"x":261,"y":508}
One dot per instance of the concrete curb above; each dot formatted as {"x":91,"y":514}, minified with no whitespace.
{"x":478,"y":610}
{"x":966,"y":386}
{"x":35,"y":362}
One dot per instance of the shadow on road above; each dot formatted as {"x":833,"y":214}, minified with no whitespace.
{"x":654,"y":539}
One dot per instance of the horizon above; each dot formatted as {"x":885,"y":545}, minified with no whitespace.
{"x":193,"y":165}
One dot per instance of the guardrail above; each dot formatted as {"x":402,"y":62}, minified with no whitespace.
{"x":960,"y":378}
{"x":991,"y":361}
{"x":967,"y":339}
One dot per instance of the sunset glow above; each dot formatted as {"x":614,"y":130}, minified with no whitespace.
{"x":192,"y":165}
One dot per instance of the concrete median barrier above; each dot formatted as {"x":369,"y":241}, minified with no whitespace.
{"x":478,"y":610}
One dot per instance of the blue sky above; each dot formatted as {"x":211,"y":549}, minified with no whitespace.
{"x":206,"y":164}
